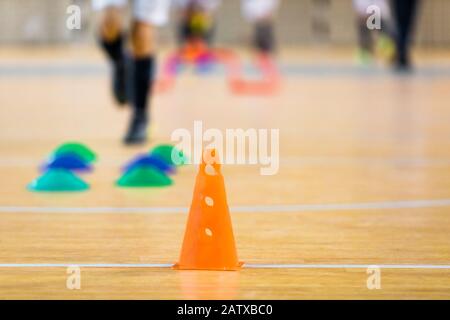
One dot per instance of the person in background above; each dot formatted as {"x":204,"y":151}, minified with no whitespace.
{"x":196,"y":20}
{"x":146,"y":15}
{"x":374,"y":42}
{"x":261,"y":14}
{"x":405,"y":14}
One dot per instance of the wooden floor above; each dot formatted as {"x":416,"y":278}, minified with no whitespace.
{"x":364,"y":180}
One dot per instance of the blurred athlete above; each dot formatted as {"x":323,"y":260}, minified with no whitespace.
{"x":372,"y":41}
{"x":146,"y":14}
{"x":405,"y":13}
{"x":261,"y":14}
{"x":197,"y":21}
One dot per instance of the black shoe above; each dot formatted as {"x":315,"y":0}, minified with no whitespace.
{"x":137,"y":131}
{"x":402,"y":64}
{"x":119,"y":83}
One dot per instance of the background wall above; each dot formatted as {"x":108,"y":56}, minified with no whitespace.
{"x":300,"y":22}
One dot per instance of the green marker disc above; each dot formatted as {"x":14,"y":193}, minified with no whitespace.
{"x":77,"y":148}
{"x":165,"y":151}
{"x":56,"y":180}
{"x":144,"y":177}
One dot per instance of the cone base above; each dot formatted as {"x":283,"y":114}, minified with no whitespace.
{"x":76,"y":148}
{"x":32,"y":188}
{"x":58,"y":180}
{"x":146,"y":160}
{"x":177,"y":266}
{"x":68,"y":161}
{"x":144,"y":177}
{"x":164,"y":152}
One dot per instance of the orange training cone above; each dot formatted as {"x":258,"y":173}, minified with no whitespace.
{"x":208,"y":240}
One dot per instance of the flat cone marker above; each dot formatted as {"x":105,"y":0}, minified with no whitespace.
{"x":208,"y":240}
{"x":56,"y":180}
{"x":77,"y":148}
{"x":69,"y":161}
{"x":169,"y":154}
{"x":147,"y":160}
{"x":144,"y":177}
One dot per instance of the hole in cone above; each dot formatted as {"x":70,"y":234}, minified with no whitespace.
{"x":209,"y":201}
{"x":208,"y":232}
{"x":210,"y":156}
{"x":209,"y":170}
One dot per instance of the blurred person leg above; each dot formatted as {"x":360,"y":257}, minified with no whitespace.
{"x":146,"y":15}
{"x":365,"y":39}
{"x":384,"y":45}
{"x":261,"y":14}
{"x":112,"y":42}
{"x":404,"y":13}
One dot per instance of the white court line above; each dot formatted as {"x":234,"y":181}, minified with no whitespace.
{"x":246,"y":266}
{"x":287,"y":208}
{"x":12,"y":161}
{"x":93,"y":210}
{"x":345,"y":266}
{"x":86,"y":265}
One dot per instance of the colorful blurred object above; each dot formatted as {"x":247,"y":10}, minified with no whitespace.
{"x":58,"y":180}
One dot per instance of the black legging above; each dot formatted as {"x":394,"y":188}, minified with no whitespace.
{"x":404,"y":13}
